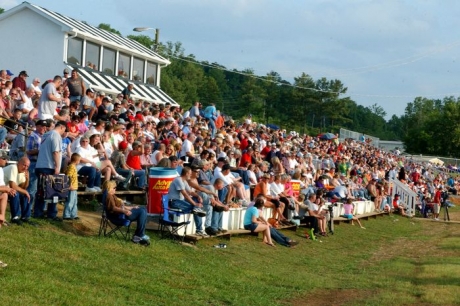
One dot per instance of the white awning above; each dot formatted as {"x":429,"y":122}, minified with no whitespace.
{"x":114,"y":85}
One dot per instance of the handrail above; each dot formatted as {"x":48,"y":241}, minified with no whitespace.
{"x":407,"y":196}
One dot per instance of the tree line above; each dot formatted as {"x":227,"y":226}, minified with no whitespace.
{"x":306,"y":105}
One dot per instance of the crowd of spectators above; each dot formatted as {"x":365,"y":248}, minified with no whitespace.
{"x":221,"y":163}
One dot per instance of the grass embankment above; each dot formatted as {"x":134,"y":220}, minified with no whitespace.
{"x":395,"y":261}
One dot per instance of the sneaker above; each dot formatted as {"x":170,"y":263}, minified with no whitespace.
{"x":88,"y":189}
{"x":144,"y":242}
{"x":56,"y":219}
{"x":136,"y":239}
{"x":119,"y":178}
{"x":145,"y":237}
{"x":210,"y":231}
{"x":76,"y":218}
{"x":201,"y":233}
{"x":293,"y":243}
{"x":98,"y":189}
{"x":16,"y":220}
{"x":198,"y":211}
{"x":222,"y":231}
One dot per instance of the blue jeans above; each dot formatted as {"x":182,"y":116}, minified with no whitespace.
{"x":19,"y":206}
{"x":216,"y":221}
{"x":140,"y":216}
{"x":70,"y":206}
{"x":39,"y":208}
{"x":207,"y":207}
{"x":279,"y":237}
{"x":33,"y":179}
{"x":198,"y":220}
{"x":213,"y":128}
{"x":94,"y":176}
{"x":185,"y":206}
{"x":75,"y":98}
{"x":3,"y":133}
{"x":127,"y":174}
{"x":142,"y":178}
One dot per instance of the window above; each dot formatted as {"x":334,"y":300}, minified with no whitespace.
{"x":108,"y":61}
{"x":92,"y":55}
{"x":138,"y":70}
{"x":123,"y":65}
{"x":74,"y":51}
{"x":151,"y":73}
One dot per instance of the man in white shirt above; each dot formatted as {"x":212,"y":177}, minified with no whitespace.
{"x":5,"y":190}
{"x":26,"y":105}
{"x":49,"y":100}
{"x":187,"y":152}
{"x":17,"y":177}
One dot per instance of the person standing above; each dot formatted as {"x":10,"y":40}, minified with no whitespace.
{"x":76,"y":86}
{"x":70,"y":206}
{"x":33,"y":147}
{"x":49,"y":99}
{"x":48,"y":163}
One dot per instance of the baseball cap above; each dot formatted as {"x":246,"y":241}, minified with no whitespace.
{"x":66,"y":71}
{"x":23,"y":72}
{"x":42,"y":123}
{"x":122,"y":145}
{"x":8,"y":72}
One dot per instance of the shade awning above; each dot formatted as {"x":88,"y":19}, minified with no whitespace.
{"x":115,"y":85}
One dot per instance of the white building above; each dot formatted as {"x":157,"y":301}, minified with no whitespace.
{"x":44,"y":43}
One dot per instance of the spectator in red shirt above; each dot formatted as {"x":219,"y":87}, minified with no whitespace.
{"x":20,"y":81}
{"x":133,"y":161}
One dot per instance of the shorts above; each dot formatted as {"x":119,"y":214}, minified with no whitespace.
{"x":250,"y":227}
{"x":436,"y":208}
{"x":349,"y":217}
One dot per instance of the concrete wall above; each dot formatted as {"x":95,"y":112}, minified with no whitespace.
{"x":33,"y":43}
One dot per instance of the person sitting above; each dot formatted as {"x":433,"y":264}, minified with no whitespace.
{"x":133,"y":160}
{"x":348,"y":208}
{"x":17,"y":176}
{"x":252,"y":221}
{"x":398,"y":208}
{"x":115,"y":207}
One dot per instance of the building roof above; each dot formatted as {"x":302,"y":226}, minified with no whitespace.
{"x":112,"y":84}
{"x":83,"y":29}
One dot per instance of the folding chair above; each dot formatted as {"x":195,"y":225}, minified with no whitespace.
{"x":167,"y":225}
{"x":118,"y":224}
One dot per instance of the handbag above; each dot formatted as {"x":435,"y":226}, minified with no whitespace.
{"x":56,"y":185}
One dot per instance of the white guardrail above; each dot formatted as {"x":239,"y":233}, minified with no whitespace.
{"x":234,"y":218}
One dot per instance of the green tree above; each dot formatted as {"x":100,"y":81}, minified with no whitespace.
{"x":107,"y":27}
{"x":143,"y":40}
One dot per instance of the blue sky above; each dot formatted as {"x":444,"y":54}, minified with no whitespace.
{"x":385,"y":52}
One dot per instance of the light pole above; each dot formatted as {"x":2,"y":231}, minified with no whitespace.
{"x":157,"y":35}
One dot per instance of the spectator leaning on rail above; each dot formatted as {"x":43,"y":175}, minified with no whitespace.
{"x":49,"y":162}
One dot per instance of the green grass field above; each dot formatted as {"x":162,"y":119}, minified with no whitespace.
{"x":395,"y":261}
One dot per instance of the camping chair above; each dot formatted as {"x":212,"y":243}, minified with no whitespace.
{"x":113,"y":224}
{"x":167,"y":224}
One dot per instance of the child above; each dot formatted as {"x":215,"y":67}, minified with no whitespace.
{"x":348,"y":208}
{"x":397,"y":207}
{"x":70,"y":206}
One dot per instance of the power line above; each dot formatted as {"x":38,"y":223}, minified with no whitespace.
{"x":309,"y":88}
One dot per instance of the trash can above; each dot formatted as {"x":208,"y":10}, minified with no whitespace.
{"x":159,"y":181}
